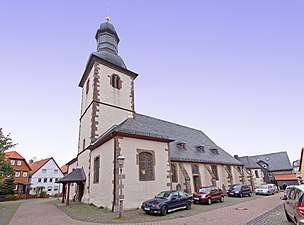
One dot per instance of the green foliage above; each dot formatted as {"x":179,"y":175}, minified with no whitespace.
{"x":7,"y":187}
{"x":6,"y":169}
{"x":5,"y":142}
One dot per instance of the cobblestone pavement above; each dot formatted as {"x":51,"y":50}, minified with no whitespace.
{"x":38,"y":212}
{"x":275,"y":216}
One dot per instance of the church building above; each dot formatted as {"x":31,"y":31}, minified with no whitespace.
{"x":159,"y":155}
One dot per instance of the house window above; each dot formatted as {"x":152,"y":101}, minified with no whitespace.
{"x":56,"y":179}
{"x":214,"y":151}
{"x":256,"y":174}
{"x":39,"y":180}
{"x":55,"y":171}
{"x":214,"y":171}
{"x":19,"y":162}
{"x":116,"y":81}
{"x":87,"y":87}
{"x":51,"y":180}
{"x":17,"y":174}
{"x":12,"y":162}
{"x":200,"y":148}
{"x":146,"y":166}
{"x":83,"y":144}
{"x":49,"y":188}
{"x":55,"y":188}
{"x":43,"y":170}
{"x":174,"y":173}
{"x":96,"y":169}
{"x":24,"y":174}
{"x":45,"y":180}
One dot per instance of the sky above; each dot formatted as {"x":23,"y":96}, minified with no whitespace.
{"x":233,"y":69}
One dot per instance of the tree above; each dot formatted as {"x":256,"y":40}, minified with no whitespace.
{"x":5,"y":142}
{"x":6,"y":170}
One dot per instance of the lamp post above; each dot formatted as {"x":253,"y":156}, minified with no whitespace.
{"x":120,"y":161}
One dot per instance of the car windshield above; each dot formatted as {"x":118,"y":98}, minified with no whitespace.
{"x":237,"y":187}
{"x":263,"y":187}
{"x":205,"y":190}
{"x":163,"y":194}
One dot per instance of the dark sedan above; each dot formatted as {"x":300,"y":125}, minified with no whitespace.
{"x":167,"y":201}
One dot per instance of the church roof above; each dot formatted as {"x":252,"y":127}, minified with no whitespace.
{"x":197,"y":146}
{"x":275,"y":161}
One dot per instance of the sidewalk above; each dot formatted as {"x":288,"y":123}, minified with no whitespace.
{"x":37,"y":212}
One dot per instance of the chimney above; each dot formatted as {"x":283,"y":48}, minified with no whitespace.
{"x":31,"y":161}
{"x":236,"y":157}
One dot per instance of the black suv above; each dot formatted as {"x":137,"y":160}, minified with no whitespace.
{"x":239,"y":190}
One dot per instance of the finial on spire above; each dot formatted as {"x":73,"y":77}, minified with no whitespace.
{"x":108,"y":19}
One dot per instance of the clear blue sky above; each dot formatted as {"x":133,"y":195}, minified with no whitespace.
{"x":233,"y":69}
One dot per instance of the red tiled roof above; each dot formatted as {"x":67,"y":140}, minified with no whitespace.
{"x":13,"y":155}
{"x":37,"y":165}
{"x":64,"y":169}
{"x":289,"y":176}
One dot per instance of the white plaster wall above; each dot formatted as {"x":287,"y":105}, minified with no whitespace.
{"x":113,"y":96}
{"x":136,"y":191}
{"x":109,"y":115}
{"x":236,"y":175}
{"x":83,"y":162}
{"x":102,"y":192}
{"x":85,"y":129}
{"x":73,"y":186}
{"x":50,"y":167}
{"x":87,"y":98}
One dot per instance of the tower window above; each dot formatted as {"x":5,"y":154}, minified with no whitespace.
{"x":116,"y":81}
{"x":88,"y":86}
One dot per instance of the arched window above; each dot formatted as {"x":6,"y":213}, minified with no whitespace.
{"x":146,"y":166}
{"x":96,"y":169}
{"x":116,"y":81}
{"x":174,"y":173}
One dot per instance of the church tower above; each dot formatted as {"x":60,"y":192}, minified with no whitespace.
{"x":107,"y":88}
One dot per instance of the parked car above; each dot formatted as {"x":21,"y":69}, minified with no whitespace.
{"x":274,"y":188}
{"x":294,"y":205}
{"x":208,"y":195}
{"x":239,"y":190}
{"x":286,"y":192}
{"x":167,"y":201}
{"x":264,"y":189}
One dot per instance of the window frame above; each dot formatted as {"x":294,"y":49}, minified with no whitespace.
{"x":24,"y":172}
{"x":96,"y":169}
{"x":19,"y":162}
{"x":142,"y":166}
{"x":174,"y":176}
{"x":17,"y":172}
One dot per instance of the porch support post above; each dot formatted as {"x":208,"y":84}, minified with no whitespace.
{"x":68,"y":197}
{"x":63,"y":192}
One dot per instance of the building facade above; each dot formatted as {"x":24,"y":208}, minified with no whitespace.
{"x":22,"y":172}
{"x":44,"y":174}
{"x":159,"y":155}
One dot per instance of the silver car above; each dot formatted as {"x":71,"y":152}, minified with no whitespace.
{"x":263,"y":189}
{"x":294,"y":205}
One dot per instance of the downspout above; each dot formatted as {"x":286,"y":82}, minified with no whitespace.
{"x":114,"y":171}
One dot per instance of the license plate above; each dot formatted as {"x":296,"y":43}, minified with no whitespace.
{"x":232,"y":193}
{"x":146,"y":208}
{"x":196,"y":198}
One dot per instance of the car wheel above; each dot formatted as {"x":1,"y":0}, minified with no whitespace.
{"x":209,"y":202}
{"x":188,"y":205}
{"x":163,"y":210}
{"x":241,"y":195}
{"x":288,"y":217}
{"x":222,"y":199}
{"x":249,"y":195}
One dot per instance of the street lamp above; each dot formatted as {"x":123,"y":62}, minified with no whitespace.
{"x":120,"y":161}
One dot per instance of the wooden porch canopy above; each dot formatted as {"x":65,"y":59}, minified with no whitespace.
{"x":76,"y":176}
